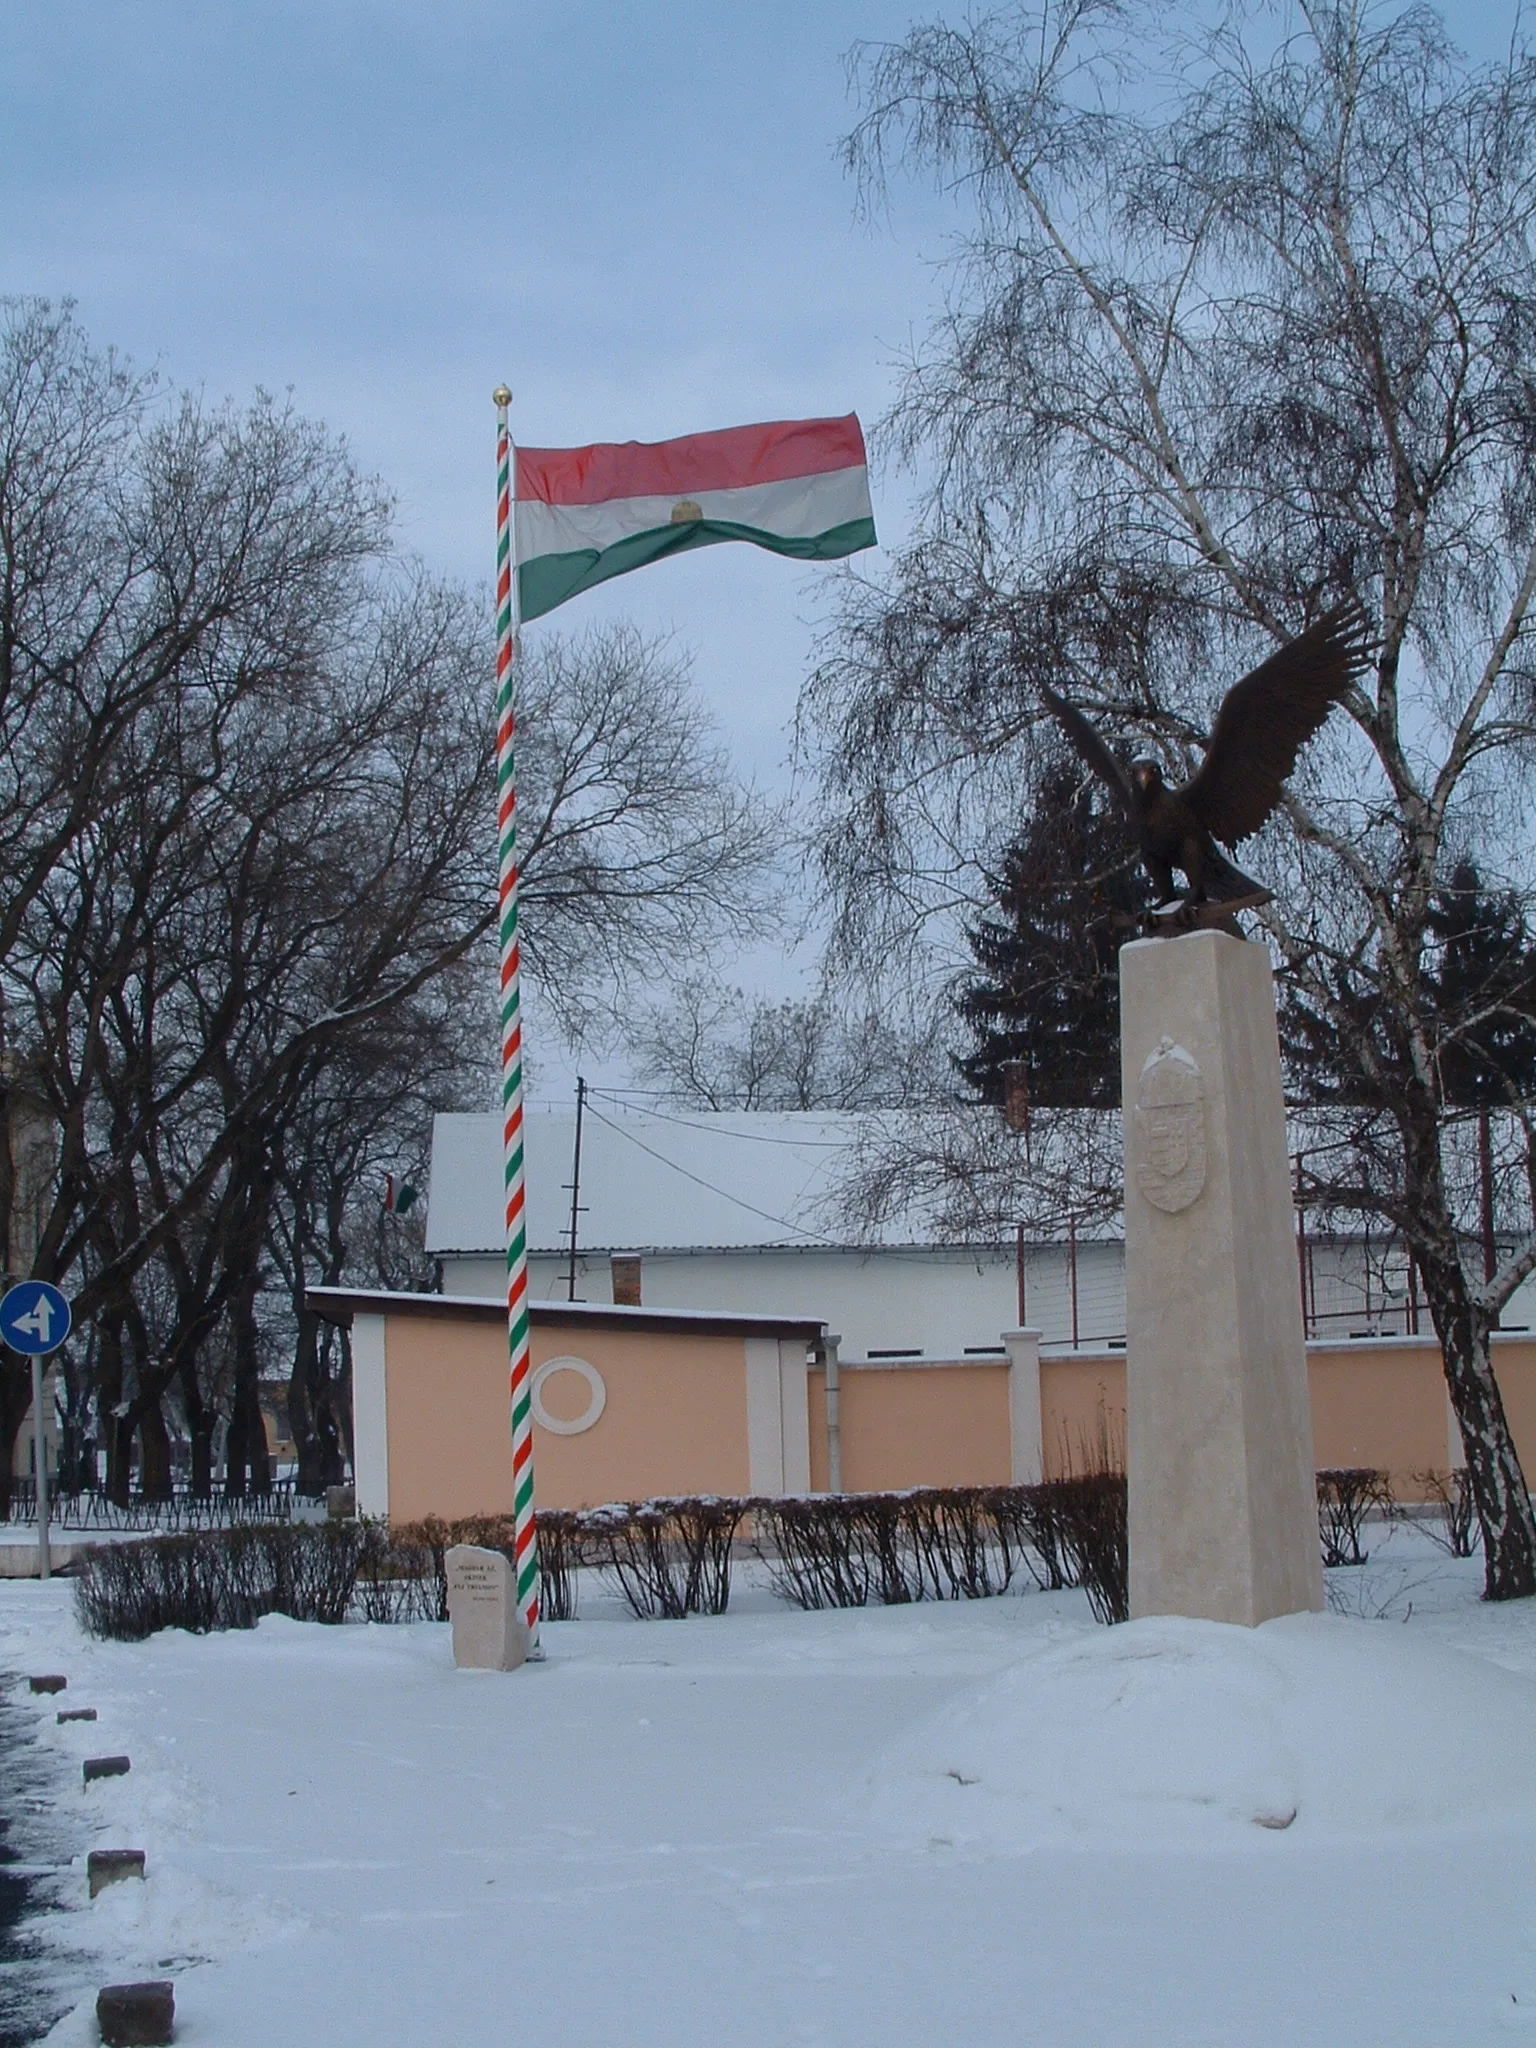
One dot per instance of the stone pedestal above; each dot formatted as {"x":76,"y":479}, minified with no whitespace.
{"x":488,"y":1632}
{"x":1223,"y":1513}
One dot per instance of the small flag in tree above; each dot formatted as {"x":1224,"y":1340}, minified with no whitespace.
{"x":397,"y":1199}
{"x":797,"y":487}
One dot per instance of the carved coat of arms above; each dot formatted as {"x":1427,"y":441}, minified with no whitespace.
{"x":1170,"y":1128}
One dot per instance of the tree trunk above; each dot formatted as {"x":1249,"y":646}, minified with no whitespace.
{"x":109,"y":1394}
{"x":1485,"y":1191}
{"x":156,"y":1480}
{"x":15,"y":1400}
{"x":120,"y":1437}
{"x":1493,"y":1465}
{"x":201,"y":1420}
{"x":301,"y":1405}
{"x":143,"y":1416}
{"x":247,"y":1466}
{"x":312,"y":1417}
{"x":341,"y":1402}
{"x":201,"y":1432}
{"x":74,"y":1374}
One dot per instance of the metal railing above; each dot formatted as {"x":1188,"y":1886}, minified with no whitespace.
{"x":91,"y":1508}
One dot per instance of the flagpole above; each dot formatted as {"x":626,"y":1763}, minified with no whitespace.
{"x":525,"y":1542}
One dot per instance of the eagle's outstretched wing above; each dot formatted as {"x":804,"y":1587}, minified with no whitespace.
{"x":1266,"y":719}
{"x":1095,"y":754}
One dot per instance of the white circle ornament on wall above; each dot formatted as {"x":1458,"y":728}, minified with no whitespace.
{"x":597,"y":1402}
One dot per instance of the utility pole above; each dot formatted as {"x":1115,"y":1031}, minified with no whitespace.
{"x":581,"y":1103}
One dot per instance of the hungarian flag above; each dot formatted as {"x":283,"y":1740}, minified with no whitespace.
{"x":797,"y":487}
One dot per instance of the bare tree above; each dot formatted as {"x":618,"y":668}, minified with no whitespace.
{"x":249,"y":855}
{"x":365,"y":1117}
{"x":640,"y":848}
{"x":971,"y":1178}
{"x":1215,"y":356}
{"x":713,"y":1047}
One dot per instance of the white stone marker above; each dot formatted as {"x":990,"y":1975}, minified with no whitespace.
{"x":1223,"y":1506}
{"x":488,"y":1632}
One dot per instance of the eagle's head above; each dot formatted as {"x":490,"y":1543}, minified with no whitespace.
{"x":1147,"y":775}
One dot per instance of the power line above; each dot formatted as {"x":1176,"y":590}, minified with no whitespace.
{"x":811,"y":1236}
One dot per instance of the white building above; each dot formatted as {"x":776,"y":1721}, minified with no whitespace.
{"x":733,"y":1211}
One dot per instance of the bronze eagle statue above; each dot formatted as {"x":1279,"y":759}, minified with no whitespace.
{"x":1264,"y":722}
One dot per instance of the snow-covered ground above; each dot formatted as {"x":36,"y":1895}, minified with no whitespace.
{"x":988,"y":1823}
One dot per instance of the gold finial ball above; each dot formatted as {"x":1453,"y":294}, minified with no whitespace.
{"x":501,"y":397}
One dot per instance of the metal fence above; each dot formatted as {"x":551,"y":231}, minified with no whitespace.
{"x":92,"y":1509}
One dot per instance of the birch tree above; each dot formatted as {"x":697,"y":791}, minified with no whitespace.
{"x":1238,"y":326}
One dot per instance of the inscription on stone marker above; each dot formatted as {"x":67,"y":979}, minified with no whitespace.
{"x":488,"y":1632}
{"x":1170,"y":1128}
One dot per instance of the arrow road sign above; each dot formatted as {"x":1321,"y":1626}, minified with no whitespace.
{"x":34,"y":1318}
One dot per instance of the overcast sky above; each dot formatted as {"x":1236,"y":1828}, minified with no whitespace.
{"x":633,"y":213}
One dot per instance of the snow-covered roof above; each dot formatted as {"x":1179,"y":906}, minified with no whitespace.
{"x":650,"y":1180}
{"x":342,"y":1304}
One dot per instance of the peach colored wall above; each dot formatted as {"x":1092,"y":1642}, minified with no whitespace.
{"x":1082,"y":1406}
{"x":1382,"y":1405}
{"x":449,"y":1418}
{"x":675,"y":1419}
{"x":933,"y":1425}
{"x":1514,"y":1367}
{"x":676,"y":1416}
{"x":1374,"y":1402}
{"x":1385,"y":1404}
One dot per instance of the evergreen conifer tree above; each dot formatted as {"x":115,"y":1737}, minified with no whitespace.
{"x":1046,"y":1002}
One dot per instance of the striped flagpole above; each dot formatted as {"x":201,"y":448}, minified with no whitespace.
{"x":524,"y":1534}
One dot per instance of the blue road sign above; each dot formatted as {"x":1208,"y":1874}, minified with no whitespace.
{"x":34,"y":1318}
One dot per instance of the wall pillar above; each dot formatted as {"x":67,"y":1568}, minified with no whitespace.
{"x":765,"y":1416}
{"x":778,"y":1415}
{"x":1025,"y":1429}
{"x":795,"y":1414}
{"x":370,"y":1417}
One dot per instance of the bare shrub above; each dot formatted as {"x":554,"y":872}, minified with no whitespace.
{"x":400,"y":1574}
{"x":126,"y":1591}
{"x":955,"y":1539}
{"x":935,"y":1543}
{"x":1344,"y":1499}
{"x":813,"y":1551}
{"x":1028,"y":1520}
{"x":1090,"y":1516}
{"x":670,"y":1558}
{"x":420,"y":1549}
{"x":219,"y":1579}
{"x":1456,"y":1529}
{"x":560,"y":1556}
{"x":307,"y":1573}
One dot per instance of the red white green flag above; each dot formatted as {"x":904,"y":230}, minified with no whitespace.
{"x":797,"y":487}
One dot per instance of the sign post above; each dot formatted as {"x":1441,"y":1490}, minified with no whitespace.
{"x":35,"y":1320}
